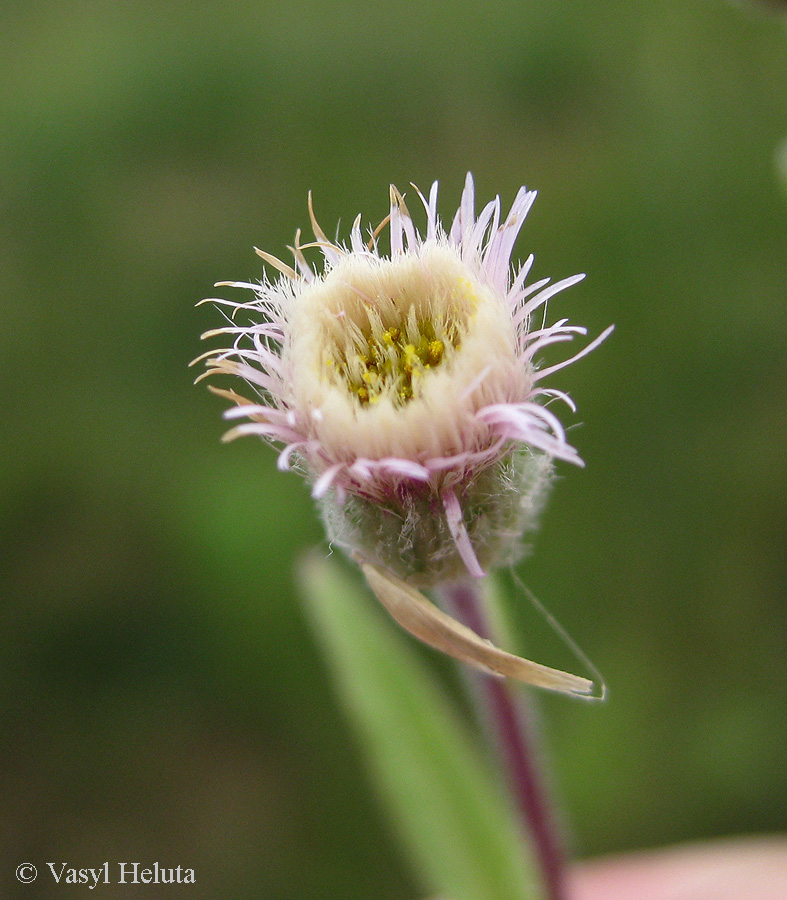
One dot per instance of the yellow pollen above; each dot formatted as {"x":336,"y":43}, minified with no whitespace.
{"x":391,"y":336}
{"x":434,"y":352}
{"x":389,"y":360}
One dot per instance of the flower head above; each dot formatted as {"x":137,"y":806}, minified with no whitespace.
{"x":404,"y":386}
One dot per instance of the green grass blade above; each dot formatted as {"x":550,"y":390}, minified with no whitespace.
{"x":451,"y":813}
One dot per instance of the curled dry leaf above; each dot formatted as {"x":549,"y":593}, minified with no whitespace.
{"x":416,"y":614}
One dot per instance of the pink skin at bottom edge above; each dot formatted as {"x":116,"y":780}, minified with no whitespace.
{"x":732,"y":869}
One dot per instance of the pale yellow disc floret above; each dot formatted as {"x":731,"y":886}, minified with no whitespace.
{"x":393,"y":357}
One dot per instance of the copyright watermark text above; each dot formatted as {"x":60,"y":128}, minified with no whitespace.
{"x":119,"y":873}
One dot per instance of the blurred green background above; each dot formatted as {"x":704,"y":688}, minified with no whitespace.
{"x":161,"y":696}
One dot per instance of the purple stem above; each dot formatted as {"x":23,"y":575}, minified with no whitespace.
{"x":508,"y":723}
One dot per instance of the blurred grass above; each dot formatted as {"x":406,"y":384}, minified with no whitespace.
{"x":161,"y":694}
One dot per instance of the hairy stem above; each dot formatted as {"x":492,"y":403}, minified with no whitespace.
{"x":510,"y":729}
